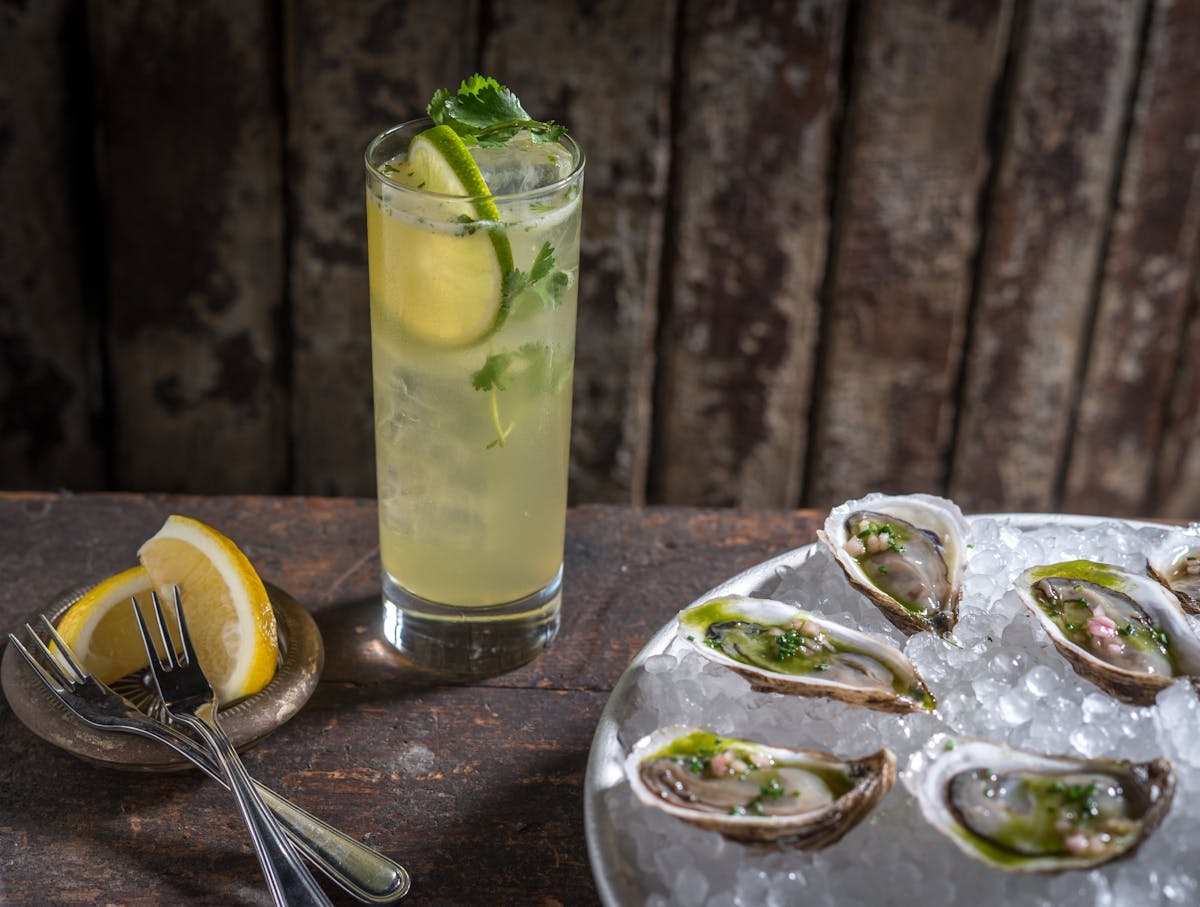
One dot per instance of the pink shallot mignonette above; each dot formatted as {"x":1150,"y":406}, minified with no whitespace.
{"x":1104,"y":633}
{"x":729,"y":762}
{"x":754,"y":792}
{"x":1123,"y":631}
{"x":1023,"y":811}
{"x":907,"y":553}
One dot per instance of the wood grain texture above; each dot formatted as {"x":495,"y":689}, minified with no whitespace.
{"x":627,"y":570}
{"x":1148,"y":278}
{"x":50,"y":393}
{"x":354,"y":70}
{"x":176,"y":274}
{"x":1062,"y":137}
{"x":749,"y":228}
{"x":477,"y":789}
{"x":604,"y":69}
{"x":190,"y":145}
{"x":906,"y":229}
{"x":422,"y":776}
{"x":1177,"y":487}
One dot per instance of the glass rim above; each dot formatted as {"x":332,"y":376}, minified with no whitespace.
{"x":568,"y":141}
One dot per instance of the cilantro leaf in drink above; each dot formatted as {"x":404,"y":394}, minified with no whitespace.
{"x":532,"y":362}
{"x":485,"y":112}
{"x":546,"y":283}
{"x":491,"y":376}
{"x":543,"y":264}
{"x":535,"y":364}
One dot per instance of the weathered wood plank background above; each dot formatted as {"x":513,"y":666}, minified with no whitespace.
{"x":829,"y":245}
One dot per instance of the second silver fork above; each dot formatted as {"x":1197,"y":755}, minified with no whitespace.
{"x":188,"y":698}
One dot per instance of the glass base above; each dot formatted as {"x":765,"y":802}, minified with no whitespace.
{"x":475,"y":641}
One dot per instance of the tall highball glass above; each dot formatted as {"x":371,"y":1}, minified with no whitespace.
{"x":473,"y":304}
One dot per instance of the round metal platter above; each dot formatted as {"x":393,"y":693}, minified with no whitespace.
{"x":619,"y":884}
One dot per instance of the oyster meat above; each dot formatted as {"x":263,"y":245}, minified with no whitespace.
{"x":1175,"y":562}
{"x":755,"y":793}
{"x":1123,"y":631}
{"x":906,"y":552}
{"x":1024,"y":811}
{"x":781,"y":648}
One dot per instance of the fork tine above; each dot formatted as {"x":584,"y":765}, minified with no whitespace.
{"x":64,"y":650}
{"x":184,"y":637}
{"x":151,"y":648}
{"x":41,"y":647}
{"x":51,"y":680}
{"x":61,"y":663}
{"x":164,"y":632}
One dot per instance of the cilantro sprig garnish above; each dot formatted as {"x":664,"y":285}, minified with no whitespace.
{"x":494,"y":377}
{"x":485,"y":112}
{"x":536,"y":364}
{"x":547,"y":284}
{"x":522,"y":294}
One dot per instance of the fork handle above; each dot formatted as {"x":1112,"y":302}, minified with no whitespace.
{"x":287,"y":877}
{"x":358,"y":869}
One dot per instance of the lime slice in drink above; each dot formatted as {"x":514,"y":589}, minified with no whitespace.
{"x":443,"y":286}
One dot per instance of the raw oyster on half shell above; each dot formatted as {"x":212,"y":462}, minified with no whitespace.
{"x":1123,"y":631}
{"x":781,"y":648}
{"x":751,"y":792}
{"x":906,"y":552}
{"x":1174,"y":560}
{"x":1023,"y":811}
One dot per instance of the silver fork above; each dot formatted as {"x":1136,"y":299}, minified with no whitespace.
{"x":362,"y":872}
{"x":188,"y":698}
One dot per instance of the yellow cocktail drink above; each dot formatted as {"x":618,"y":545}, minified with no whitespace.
{"x":473,"y":299}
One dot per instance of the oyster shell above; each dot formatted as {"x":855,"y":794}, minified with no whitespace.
{"x":1027,"y":812}
{"x":1123,"y":631}
{"x":906,"y":552}
{"x":751,"y":792}
{"x":1174,"y":560}
{"x":781,"y":648}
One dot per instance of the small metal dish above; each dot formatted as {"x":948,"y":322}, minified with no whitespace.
{"x":301,"y":657}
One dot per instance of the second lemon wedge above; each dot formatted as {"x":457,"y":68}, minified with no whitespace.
{"x":99,"y":627}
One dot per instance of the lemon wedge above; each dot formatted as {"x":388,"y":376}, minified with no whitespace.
{"x":228,"y":612}
{"x":440,"y":276}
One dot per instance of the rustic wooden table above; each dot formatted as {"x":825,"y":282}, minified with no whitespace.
{"x":476,"y":789}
